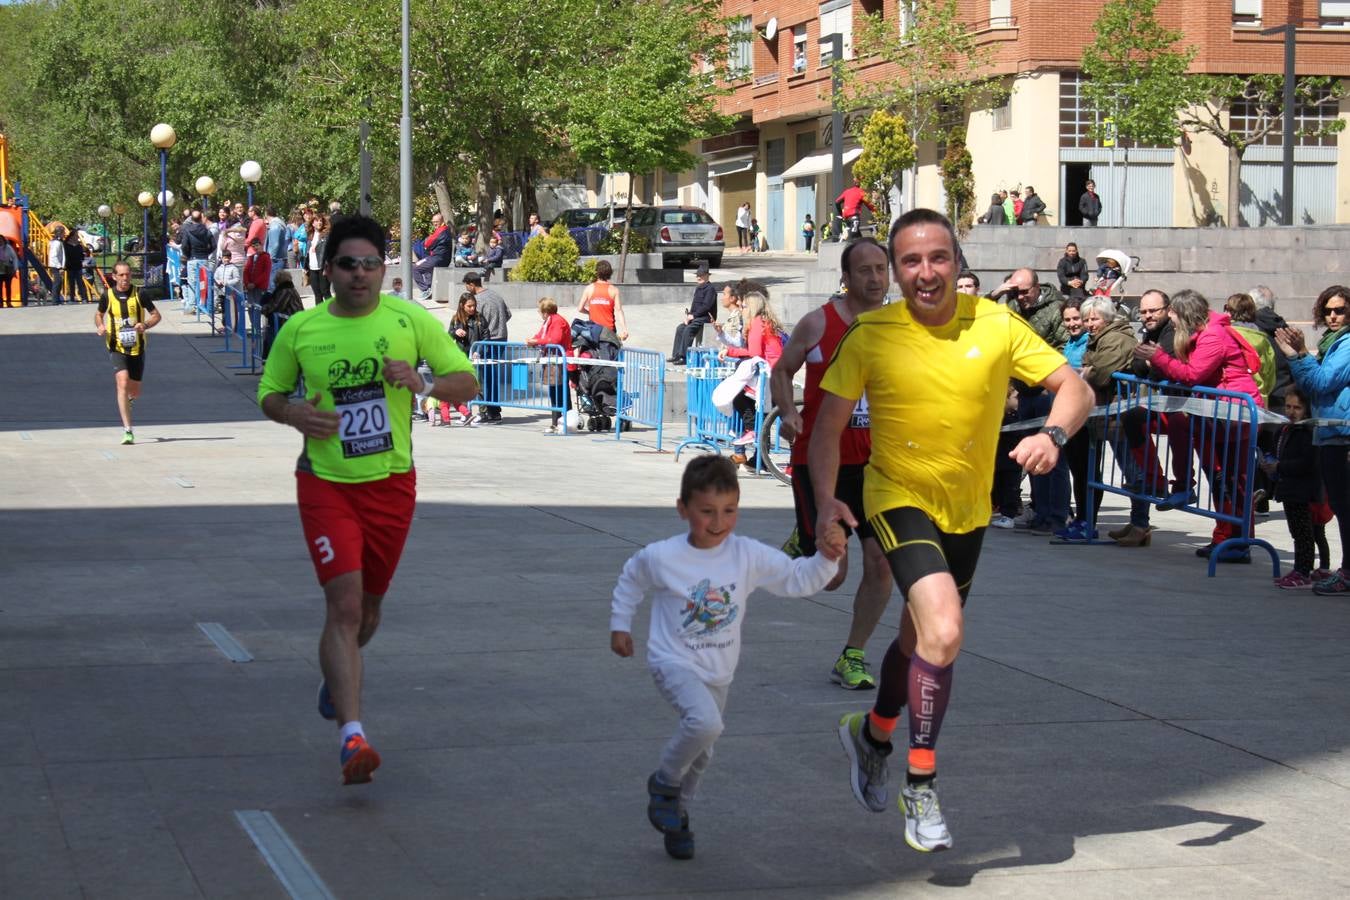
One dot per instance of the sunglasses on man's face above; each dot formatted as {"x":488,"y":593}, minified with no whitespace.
{"x":351,"y":263}
{"x":1335,"y":310}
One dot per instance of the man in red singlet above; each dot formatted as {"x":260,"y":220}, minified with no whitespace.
{"x":866,"y":279}
{"x":600,"y":301}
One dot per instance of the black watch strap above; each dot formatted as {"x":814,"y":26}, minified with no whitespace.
{"x":1057,"y":434}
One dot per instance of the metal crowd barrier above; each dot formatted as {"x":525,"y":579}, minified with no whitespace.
{"x":641,"y":391}
{"x":173,"y":262}
{"x":517,"y":375}
{"x":1161,"y":430}
{"x":707,"y":427}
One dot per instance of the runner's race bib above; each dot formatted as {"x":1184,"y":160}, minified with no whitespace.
{"x":127,"y":336}
{"x":862,"y":416}
{"x":364,"y":427}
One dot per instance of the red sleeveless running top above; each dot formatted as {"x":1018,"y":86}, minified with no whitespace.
{"x":601,"y":305}
{"x":855,"y":445}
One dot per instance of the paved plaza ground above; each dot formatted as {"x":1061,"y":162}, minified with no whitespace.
{"x":1122,"y":726}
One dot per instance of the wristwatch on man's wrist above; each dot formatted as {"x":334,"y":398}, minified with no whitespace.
{"x":1057,"y":434}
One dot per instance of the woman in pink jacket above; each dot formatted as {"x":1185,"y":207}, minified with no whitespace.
{"x":1209,"y":353}
{"x":764,"y":339}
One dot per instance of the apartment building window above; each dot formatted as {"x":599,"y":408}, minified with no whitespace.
{"x":1003,"y":116}
{"x":906,"y":13}
{"x":1247,"y":13}
{"x":1334,"y":14}
{"x":836,"y":17}
{"x":1000,"y":13}
{"x":1246,"y":116}
{"x":740,"y":62}
{"x":798,"y":49}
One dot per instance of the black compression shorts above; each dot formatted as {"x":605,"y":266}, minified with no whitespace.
{"x":134,"y":366}
{"x":916,"y":548}
{"x":848,"y":488}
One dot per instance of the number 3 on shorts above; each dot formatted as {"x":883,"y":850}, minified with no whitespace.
{"x":325,"y":548}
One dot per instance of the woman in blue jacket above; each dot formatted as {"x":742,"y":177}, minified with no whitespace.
{"x":1326,"y":378}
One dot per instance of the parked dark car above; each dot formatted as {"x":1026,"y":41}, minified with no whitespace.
{"x":681,"y":234}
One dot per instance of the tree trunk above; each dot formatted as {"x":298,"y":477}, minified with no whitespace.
{"x":486,"y":193}
{"x":627,"y":224}
{"x":443,"y":201}
{"x":1234,"y":217}
{"x":528,"y":196}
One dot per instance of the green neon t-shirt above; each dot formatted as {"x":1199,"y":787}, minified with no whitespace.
{"x":343,"y":359}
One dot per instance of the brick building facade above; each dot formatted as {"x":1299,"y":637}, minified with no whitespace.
{"x":778,"y":156}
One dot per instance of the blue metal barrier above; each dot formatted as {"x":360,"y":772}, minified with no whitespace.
{"x":517,"y":375}
{"x":641,"y":391}
{"x":707,"y":427}
{"x":1207,"y":429}
{"x":230,"y":302}
{"x":173,"y":272}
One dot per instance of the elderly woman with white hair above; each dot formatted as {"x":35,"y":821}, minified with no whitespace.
{"x":1110,"y":349}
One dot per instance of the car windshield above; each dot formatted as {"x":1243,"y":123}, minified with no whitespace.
{"x":685,"y":217}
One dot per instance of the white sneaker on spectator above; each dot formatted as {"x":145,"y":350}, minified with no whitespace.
{"x":998,"y":521}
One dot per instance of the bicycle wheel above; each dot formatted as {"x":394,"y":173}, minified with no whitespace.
{"x":775,"y":452}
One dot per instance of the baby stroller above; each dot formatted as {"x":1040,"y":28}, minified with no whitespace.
{"x":597,"y":386}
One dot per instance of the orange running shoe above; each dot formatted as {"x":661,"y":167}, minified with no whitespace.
{"x":359,"y":759}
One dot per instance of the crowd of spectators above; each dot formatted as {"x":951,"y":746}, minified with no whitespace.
{"x":1243,"y":347}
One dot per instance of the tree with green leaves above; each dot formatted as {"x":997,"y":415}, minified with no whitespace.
{"x":1217,"y":97}
{"x":958,"y":181}
{"x":638,"y":109}
{"x":941,"y":71}
{"x":888,"y":151}
{"x":1135,"y":75}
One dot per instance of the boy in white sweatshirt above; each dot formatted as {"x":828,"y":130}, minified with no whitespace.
{"x":698,"y":583}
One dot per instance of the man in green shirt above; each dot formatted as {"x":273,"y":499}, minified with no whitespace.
{"x":356,"y":485}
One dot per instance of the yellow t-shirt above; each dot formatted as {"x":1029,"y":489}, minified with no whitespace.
{"x":936,"y":398}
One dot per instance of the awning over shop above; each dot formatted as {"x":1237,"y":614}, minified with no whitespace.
{"x":731,"y":166}
{"x":819,"y":163}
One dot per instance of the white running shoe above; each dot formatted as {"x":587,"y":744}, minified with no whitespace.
{"x":925,"y":829}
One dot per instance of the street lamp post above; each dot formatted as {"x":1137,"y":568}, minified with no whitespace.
{"x":104,"y":211}
{"x":1290,"y":32}
{"x":121,"y":210}
{"x":164,"y":137}
{"x":146,"y":200}
{"x":206,"y":186}
{"x":251,"y":173}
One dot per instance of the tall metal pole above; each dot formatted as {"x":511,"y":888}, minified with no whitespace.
{"x":164,"y":212}
{"x":405,"y":158}
{"x":836,"y":123}
{"x":250,"y":195}
{"x":1287,"y":163}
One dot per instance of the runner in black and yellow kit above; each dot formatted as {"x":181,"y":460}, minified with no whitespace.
{"x":935,"y":371}
{"x":356,"y":486}
{"x":122,"y":319}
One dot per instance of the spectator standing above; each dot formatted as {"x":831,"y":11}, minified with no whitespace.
{"x":995,"y":214}
{"x":197,"y":249}
{"x":1110,"y":349}
{"x":743,"y":227}
{"x":300,"y":239}
{"x":1241,"y":308}
{"x":467,"y":327}
{"x":600,"y":300}
{"x":257,"y":226}
{"x":284,"y":303}
{"x":1136,"y":423}
{"x":75,"y":254}
{"x":1012,"y":205}
{"x":808,"y":233}
{"x":1072,"y":273}
{"x":318,"y":243}
{"x":1032,"y":207}
{"x":275,"y":243}
{"x":9,"y":264}
{"x":1269,"y":321}
{"x":1077,"y":343}
{"x":257,"y":278}
{"x":1298,"y":486}
{"x":1208,"y":353}
{"x":701,"y":311}
{"x":1090,"y":205}
{"x":56,"y":263}
{"x":755,"y":246}
{"x":535,"y":228}
{"x":1326,"y":379}
{"x":554,"y":331}
{"x":495,"y":315}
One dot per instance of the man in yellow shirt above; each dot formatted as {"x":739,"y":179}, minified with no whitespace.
{"x":935,"y":370}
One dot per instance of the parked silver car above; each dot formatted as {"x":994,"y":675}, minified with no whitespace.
{"x":681,"y":233}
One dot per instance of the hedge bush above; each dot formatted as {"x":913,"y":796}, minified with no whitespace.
{"x":551,"y":257}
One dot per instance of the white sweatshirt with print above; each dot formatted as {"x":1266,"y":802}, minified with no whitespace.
{"x":698,"y":597}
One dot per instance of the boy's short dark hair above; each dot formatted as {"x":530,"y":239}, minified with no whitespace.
{"x":603,"y":270}
{"x":353,"y":227}
{"x":709,"y":473}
